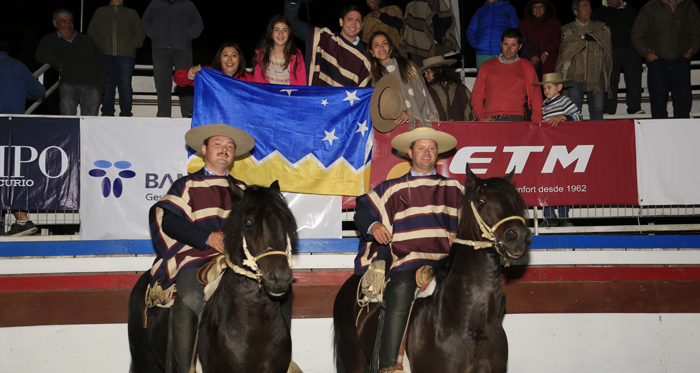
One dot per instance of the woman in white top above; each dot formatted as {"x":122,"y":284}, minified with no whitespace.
{"x":418,"y":107}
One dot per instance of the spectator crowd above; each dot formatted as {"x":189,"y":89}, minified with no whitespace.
{"x":591,"y":52}
{"x":532,"y":69}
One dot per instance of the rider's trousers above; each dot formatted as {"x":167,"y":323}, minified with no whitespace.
{"x":185,"y":318}
{"x":396,"y":304}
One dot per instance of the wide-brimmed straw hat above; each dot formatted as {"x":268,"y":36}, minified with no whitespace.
{"x":436,"y":61}
{"x":445,"y":141}
{"x":553,"y":78}
{"x":386,"y":104}
{"x":196,"y":136}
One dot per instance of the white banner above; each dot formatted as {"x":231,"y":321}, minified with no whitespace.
{"x":127,"y":165}
{"x":114,"y":203}
{"x":317,"y":216}
{"x":666,"y":154}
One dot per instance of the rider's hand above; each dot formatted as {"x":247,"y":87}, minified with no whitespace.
{"x":380,"y":233}
{"x":216,"y":240}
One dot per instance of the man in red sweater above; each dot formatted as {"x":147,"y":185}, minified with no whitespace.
{"x":504,"y":85}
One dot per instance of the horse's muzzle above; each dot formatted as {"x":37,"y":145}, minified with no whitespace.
{"x":516,"y":241}
{"x":277,"y":281}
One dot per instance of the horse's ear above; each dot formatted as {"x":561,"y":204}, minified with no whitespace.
{"x":471,"y":178}
{"x":509,"y":177}
{"x":236,"y":190}
{"x":275,"y":185}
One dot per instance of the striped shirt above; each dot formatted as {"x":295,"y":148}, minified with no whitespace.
{"x":420,"y":212}
{"x":203,"y":200}
{"x":560,"y":105}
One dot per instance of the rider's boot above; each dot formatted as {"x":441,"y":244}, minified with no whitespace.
{"x":185,"y":319}
{"x":183,"y":334}
{"x":398,"y":296}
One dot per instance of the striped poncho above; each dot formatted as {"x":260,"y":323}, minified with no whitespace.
{"x":560,"y":105}
{"x":335,"y":62}
{"x":419,"y":211}
{"x":199,"y":199}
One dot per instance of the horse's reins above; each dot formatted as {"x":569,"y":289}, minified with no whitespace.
{"x":487,"y":233}
{"x":251,"y":262}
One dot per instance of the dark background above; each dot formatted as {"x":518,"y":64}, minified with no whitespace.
{"x":24,"y":23}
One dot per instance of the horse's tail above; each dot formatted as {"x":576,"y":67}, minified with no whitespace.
{"x":337,"y":357}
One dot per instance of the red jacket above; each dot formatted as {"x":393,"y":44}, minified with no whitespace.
{"x":541,"y":36}
{"x":182,"y":80}
{"x":500,"y":90}
{"x":297,"y":70}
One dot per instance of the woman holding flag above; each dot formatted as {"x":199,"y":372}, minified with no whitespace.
{"x":228,"y":59}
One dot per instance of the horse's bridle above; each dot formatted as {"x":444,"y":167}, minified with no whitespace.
{"x":251,"y":262}
{"x":487,"y":233}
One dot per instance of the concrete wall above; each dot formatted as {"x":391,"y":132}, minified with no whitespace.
{"x":573,"y":343}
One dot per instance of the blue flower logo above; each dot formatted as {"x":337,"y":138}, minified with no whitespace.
{"x":107,"y":185}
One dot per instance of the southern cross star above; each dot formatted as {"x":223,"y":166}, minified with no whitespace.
{"x":289,"y":91}
{"x":352,"y":97}
{"x":362,"y":128}
{"x":324,"y":102}
{"x":330,"y":136}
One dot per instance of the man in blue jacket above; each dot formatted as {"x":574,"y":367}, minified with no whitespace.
{"x":171,"y":25}
{"x":487,"y":26}
{"x":18,"y":85}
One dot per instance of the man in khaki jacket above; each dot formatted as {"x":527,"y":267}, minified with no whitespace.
{"x":117,"y":31}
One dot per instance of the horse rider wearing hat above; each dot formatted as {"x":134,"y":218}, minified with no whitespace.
{"x":408,"y":222}
{"x":186,"y":229}
{"x":451,"y":97}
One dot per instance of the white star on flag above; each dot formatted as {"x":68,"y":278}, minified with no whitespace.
{"x":289,"y":91}
{"x":352,"y":97}
{"x":362,"y":128}
{"x":330,"y":136}
{"x":324,"y":102}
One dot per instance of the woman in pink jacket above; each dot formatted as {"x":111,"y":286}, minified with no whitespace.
{"x":277,"y":60}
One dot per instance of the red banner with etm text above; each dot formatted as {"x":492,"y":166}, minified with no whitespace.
{"x":574,"y":163}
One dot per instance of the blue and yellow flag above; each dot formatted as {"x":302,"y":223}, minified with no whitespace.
{"x":312,"y":139}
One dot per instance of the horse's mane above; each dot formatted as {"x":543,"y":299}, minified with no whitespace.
{"x":467,"y":227}
{"x":258,"y":197}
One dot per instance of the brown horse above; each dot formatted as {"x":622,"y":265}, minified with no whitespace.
{"x":458,"y":328}
{"x":242,"y":327}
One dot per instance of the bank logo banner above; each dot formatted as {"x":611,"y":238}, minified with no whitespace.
{"x":107,"y":186}
{"x":39,"y":163}
{"x":312,"y":139}
{"x":127,"y":166}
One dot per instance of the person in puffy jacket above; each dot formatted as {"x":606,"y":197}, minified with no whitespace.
{"x":541,"y":36}
{"x":487,"y":26}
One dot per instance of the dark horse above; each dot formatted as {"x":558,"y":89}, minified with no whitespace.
{"x":242,"y":328}
{"x":458,"y":328}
